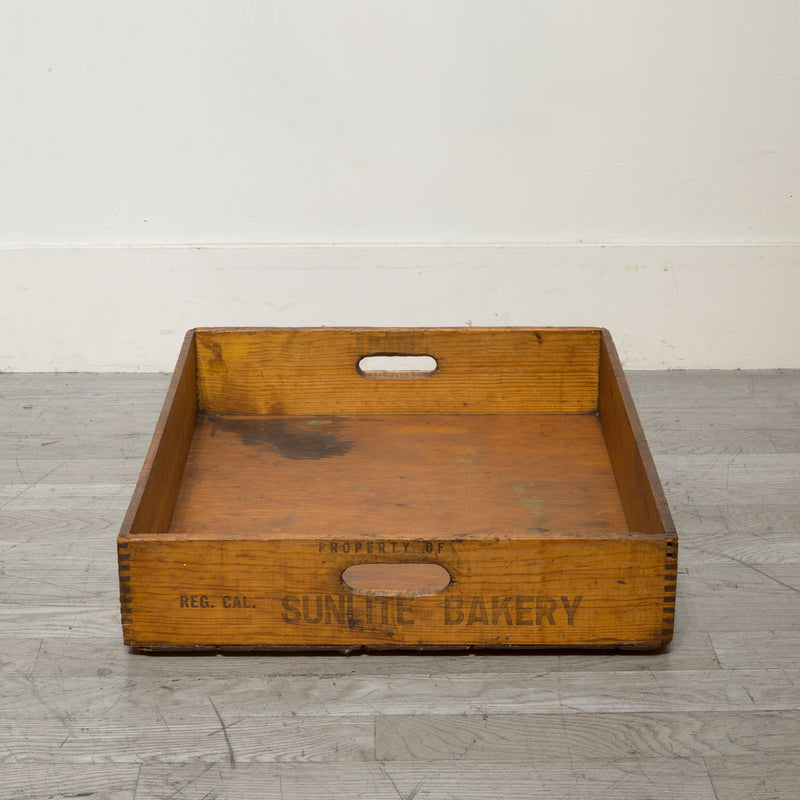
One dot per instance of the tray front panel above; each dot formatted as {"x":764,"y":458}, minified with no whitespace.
{"x":579,"y":591}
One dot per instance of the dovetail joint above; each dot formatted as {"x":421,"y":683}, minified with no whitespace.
{"x":670,"y":586}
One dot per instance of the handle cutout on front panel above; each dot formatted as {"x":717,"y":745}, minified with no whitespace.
{"x":397,"y":365}
{"x":396,"y":580}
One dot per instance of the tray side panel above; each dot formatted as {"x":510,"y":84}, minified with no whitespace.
{"x":640,"y":489}
{"x":315,"y":370}
{"x":153,"y":500}
{"x":587,"y":591}
{"x":637,"y":479}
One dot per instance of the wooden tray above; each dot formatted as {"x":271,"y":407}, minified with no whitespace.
{"x":293,"y":499}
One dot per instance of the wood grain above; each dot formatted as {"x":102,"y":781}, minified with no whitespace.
{"x":52,"y":657}
{"x":710,"y":479}
{"x":636,"y":477}
{"x":565,"y":779}
{"x":755,"y":777}
{"x":81,"y":715}
{"x":519,"y":738}
{"x":162,"y":733}
{"x":536,"y":492}
{"x":115,"y":782}
{"x":69,"y":699}
{"x":314,"y":371}
{"x":772,"y":649}
{"x":434,"y":476}
{"x":596,"y":590}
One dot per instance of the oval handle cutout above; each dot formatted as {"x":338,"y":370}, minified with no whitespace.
{"x":396,"y":580}
{"x":397,"y":365}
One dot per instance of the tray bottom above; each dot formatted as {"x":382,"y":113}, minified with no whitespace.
{"x":416,"y":476}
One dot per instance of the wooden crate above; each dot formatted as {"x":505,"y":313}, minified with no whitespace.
{"x":291,"y":499}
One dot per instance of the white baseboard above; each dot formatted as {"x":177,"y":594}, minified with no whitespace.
{"x":712,"y":306}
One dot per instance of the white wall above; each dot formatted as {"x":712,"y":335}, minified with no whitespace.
{"x":657,"y":134}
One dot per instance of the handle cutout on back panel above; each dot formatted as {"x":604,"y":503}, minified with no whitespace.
{"x":396,"y":580}
{"x":397,"y":365}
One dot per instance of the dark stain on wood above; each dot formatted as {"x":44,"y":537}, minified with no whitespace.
{"x":294,"y":438}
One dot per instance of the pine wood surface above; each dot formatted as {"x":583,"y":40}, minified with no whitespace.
{"x":336,"y":476}
{"x":531,"y":486}
{"x":315,"y":370}
{"x":714,"y":716}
